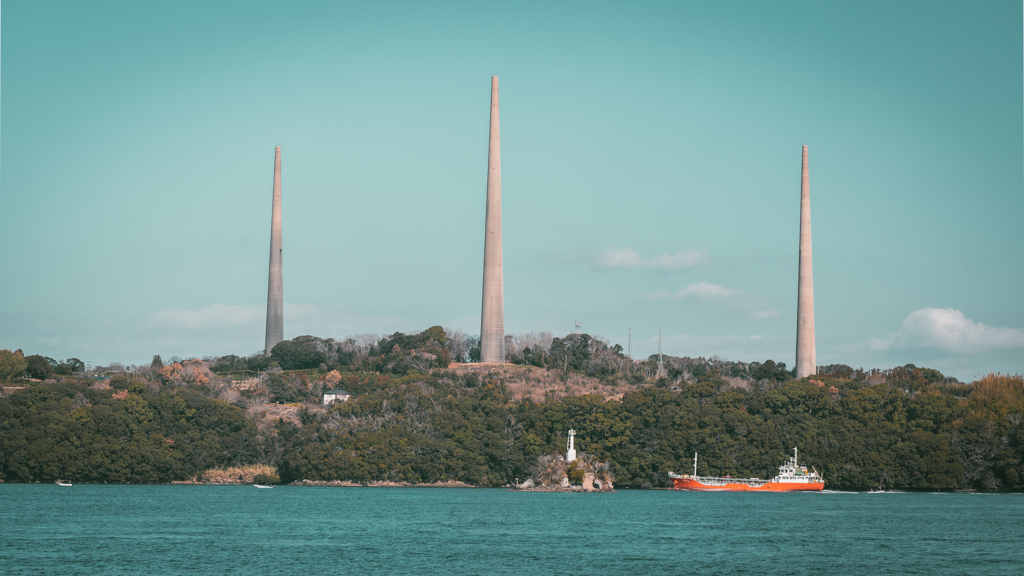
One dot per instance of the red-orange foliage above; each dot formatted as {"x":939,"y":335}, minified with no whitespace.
{"x":193,"y":371}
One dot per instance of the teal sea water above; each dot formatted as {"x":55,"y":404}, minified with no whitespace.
{"x":105,"y":529}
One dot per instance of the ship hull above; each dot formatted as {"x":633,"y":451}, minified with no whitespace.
{"x":697,"y":486}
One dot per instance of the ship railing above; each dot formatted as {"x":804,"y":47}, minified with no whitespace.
{"x":719,"y":481}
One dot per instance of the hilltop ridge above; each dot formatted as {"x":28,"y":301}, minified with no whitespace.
{"x":414,"y":416}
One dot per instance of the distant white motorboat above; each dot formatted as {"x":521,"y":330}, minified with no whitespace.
{"x":256,"y":485}
{"x":59,"y":483}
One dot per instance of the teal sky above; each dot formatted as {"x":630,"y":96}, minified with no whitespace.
{"x":650,"y":164}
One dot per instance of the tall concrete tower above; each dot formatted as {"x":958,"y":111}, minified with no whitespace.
{"x":492,"y":313}
{"x":806,"y":363}
{"x":275,"y":288}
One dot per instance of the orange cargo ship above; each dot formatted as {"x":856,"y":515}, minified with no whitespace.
{"x":792,"y":477}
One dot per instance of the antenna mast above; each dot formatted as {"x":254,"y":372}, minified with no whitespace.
{"x":659,"y":349}
{"x":629,"y":354}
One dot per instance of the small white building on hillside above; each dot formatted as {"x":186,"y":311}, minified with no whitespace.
{"x":332,"y":396}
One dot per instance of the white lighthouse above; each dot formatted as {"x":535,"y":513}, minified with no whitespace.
{"x":570,"y":454}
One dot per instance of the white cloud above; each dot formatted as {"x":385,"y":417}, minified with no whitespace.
{"x":630,"y":258}
{"x":706,"y":290}
{"x":299,"y":319}
{"x":214,"y":316}
{"x":722,"y":296}
{"x":700,"y":290}
{"x":660,"y":295}
{"x":222,"y":328}
{"x":950,"y":330}
{"x":618,"y":258}
{"x":880,"y":344}
{"x":686,"y":259}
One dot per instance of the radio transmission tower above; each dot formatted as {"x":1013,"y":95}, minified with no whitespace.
{"x":661,"y":366}
{"x":629,"y":353}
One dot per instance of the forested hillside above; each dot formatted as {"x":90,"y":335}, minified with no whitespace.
{"x":73,"y":432}
{"x":908,"y":435}
{"x":413,"y":419}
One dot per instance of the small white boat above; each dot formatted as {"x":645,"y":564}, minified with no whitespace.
{"x":59,"y":483}
{"x":262,"y":486}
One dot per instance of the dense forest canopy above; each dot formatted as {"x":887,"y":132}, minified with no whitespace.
{"x":417,"y":417}
{"x":131,"y":434}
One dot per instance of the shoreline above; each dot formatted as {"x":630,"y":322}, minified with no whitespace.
{"x":383,"y":484}
{"x":458,"y":484}
{"x":560,"y":489}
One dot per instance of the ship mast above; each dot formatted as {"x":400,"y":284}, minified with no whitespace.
{"x":694,"y":464}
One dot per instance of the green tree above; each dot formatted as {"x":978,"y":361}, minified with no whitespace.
{"x":575,"y":472}
{"x":771,"y":371}
{"x":73,"y":432}
{"x":68,"y":367}
{"x":12,"y":364}
{"x":39,"y":367}
{"x":297,"y":354}
{"x":570,"y":353}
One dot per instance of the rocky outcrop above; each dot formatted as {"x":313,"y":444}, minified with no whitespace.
{"x":552,"y":474}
